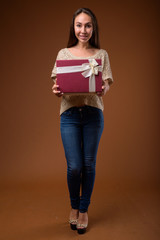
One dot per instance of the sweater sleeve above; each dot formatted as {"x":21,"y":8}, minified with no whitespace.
{"x":54,"y":70}
{"x":107,"y":72}
{"x":53,"y":75}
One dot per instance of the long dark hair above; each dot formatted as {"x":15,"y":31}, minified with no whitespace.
{"x":94,"y":40}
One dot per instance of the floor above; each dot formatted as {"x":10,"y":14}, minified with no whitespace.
{"x":39,"y":211}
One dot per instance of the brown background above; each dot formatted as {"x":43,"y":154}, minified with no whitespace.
{"x":34,"y":202}
{"x":32,"y":32}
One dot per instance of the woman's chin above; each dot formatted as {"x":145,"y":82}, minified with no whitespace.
{"x":83,"y":40}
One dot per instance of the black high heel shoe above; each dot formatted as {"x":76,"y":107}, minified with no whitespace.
{"x":73,"y":224}
{"x":81,"y":228}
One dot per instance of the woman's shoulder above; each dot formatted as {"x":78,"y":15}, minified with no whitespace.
{"x":61,"y":52}
{"x":103,"y":51}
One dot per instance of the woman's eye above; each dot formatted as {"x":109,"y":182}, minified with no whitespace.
{"x":78,"y":25}
{"x":89,"y":26}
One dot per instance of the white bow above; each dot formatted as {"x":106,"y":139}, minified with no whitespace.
{"x":90,"y":70}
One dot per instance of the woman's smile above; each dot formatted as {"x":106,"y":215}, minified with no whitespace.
{"x":83,"y":36}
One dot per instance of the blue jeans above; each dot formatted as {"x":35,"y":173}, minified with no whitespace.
{"x":81,"y":130}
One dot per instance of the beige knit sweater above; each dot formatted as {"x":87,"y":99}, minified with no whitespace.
{"x":68,"y":101}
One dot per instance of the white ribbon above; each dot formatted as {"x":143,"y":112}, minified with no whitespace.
{"x":88,"y":70}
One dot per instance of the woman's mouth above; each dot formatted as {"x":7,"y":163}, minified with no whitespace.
{"x":83,"y":37}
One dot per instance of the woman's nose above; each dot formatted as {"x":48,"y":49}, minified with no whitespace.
{"x":83,"y":29}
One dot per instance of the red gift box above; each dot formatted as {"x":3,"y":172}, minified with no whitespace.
{"x":79,"y":76}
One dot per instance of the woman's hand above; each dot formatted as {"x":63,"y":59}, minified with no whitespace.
{"x":56,"y":91}
{"x":105,"y":88}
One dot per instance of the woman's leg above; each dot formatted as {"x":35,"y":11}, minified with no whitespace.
{"x":71,"y":133}
{"x":92,"y":131}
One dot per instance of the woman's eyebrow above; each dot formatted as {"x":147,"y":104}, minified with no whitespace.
{"x":85,"y":23}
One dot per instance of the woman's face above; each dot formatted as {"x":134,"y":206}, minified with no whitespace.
{"x":83,"y":27}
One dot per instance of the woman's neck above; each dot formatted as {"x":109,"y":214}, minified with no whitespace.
{"x":83,"y":46}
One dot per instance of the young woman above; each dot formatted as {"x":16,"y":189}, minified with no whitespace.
{"x":82,"y":117}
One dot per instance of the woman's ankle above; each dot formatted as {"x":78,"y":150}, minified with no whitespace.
{"x":74,"y":213}
{"x":83,"y":217}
